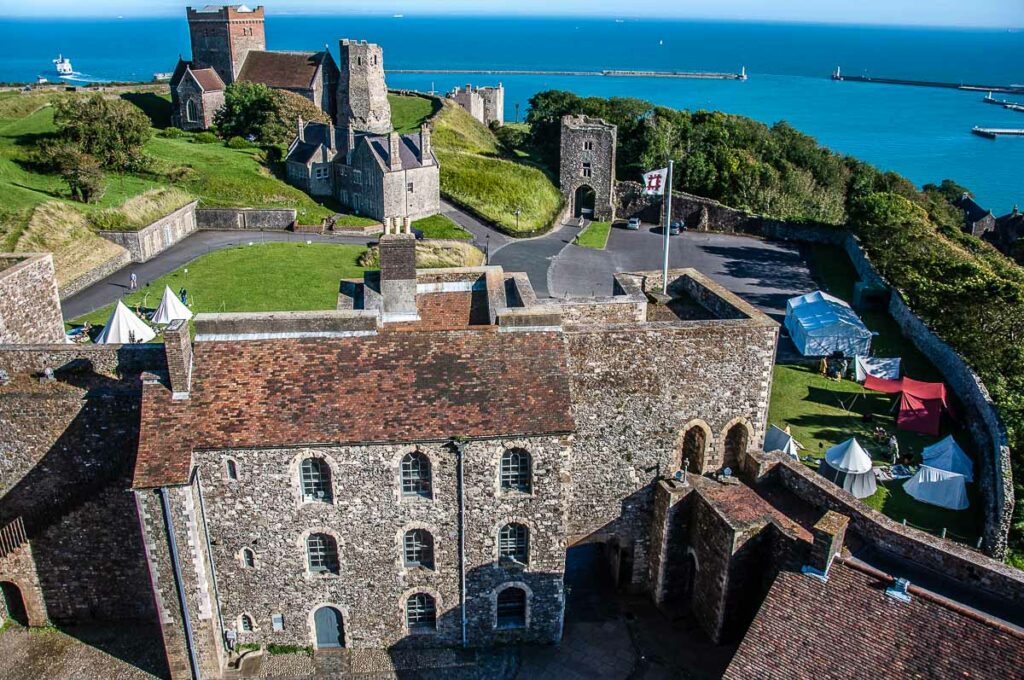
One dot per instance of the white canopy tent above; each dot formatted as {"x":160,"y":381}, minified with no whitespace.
{"x":171,"y":308}
{"x":938,"y":487}
{"x":124,"y":327}
{"x":888,"y":369}
{"x":821,"y":324}
{"x":777,"y":439}
{"x":947,"y":455}
{"x":849,"y":466}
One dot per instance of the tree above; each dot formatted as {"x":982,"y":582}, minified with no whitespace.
{"x":81,"y":171}
{"x":268,"y":116}
{"x":111,"y":131}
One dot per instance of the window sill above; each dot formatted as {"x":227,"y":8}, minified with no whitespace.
{"x":509,"y":563}
{"x":510,"y":626}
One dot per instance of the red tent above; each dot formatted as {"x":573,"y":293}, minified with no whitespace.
{"x":921,"y":403}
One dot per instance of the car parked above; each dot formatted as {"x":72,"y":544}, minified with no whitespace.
{"x":677,"y":227}
{"x":633,"y":224}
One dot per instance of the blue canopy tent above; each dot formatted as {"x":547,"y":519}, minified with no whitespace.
{"x":821,"y":325}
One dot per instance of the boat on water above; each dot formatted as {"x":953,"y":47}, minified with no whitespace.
{"x":63,"y":65}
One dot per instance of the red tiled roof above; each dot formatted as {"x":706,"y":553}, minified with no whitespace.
{"x":208,"y":79}
{"x":402,"y":386}
{"x":286,"y":70}
{"x":849,"y":628}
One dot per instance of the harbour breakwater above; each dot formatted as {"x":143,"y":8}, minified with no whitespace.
{"x":1006,"y":89}
{"x":614,"y":73}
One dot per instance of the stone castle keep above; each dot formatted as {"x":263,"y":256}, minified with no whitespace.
{"x":587,"y":167}
{"x":308,"y":478}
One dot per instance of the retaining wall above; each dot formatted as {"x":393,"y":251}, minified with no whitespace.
{"x":267,"y":219}
{"x":123,"y":259}
{"x":158,"y":236}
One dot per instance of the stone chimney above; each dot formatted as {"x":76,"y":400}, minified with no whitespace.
{"x":350,"y":143}
{"x":828,"y":534}
{"x":398,"y":277}
{"x":301,"y":130}
{"x":178,"y":348}
{"x":394,"y":151}
{"x":425,"y":148}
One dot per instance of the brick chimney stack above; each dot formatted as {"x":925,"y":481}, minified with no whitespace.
{"x":398,"y":277}
{"x":394,"y":151}
{"x":178,"y":348}
{"x":425,"y":149}
{"x":828,"y":534}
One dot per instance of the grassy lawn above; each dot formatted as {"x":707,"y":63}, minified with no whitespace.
{"x":473,"y":175}
{"x":409,"y":112}
{"x":823,"y":412}
{"x":439,"y":226}
{"x":594,"y":236}
{"x":258,"y":278}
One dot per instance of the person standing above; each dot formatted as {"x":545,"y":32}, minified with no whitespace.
{"x":183,"y":295}
{"x":894,"y":448}
{"x":133,"y":282}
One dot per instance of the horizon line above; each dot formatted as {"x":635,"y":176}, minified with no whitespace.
{"x":398,"y":16}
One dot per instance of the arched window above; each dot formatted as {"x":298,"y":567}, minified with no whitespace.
{"x":248,"y":558}
{"x":694,"y":445}
{"x":191,"y":111}
{"x":231,"y":469}
{"x":421,"y":612}
{"x":416,"y":475}
{"x":245,"y":622}
{"x":514,"y":543}
{"x":322,"y":551}
{"x":511,"y":608}
{"x":419,"y":549}
{"x":515,"y":471}
{"x":315,"y":477}
{"x":736,"y":441}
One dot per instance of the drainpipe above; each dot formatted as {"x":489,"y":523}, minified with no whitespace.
{"x":459,"y":451}
{"x":176,"y":568}
{"x":213,"y":567}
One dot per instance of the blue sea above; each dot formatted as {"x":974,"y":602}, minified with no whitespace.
{"x":922,"y":133}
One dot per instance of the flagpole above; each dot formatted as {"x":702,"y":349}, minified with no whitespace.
{"x":668,"y":224}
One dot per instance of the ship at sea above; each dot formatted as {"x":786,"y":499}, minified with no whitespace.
{"x":64,"y":68}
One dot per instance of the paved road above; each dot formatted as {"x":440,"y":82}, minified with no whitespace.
{"x":535,"y":256}
{"x":765,"y":273}
{"x":484,"y":236}
{"x":108,"y":290}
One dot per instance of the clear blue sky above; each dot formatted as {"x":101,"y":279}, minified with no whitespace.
{"x":994,"y":13}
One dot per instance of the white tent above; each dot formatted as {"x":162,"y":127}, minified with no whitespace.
{"x":821,"y":324}
{"x":947,"y":455}
{"x":777,"y":439}
{"x":171,"y":308}
{"x":124,"y":327}
{"x":849,"y":466}
{"x":938,"y":487}
{"x":889,"y":369}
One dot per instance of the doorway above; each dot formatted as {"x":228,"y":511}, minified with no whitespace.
{"x":583,"y":202}
{"x":330,"y":629}
{"x":14,"y":602}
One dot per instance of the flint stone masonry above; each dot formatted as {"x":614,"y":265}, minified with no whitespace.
{"x":157,"y":237}
{"x":587,"y":159}
{"x":29,"y":302}
{"x":262,"y":510}
{"x":362,"y":92}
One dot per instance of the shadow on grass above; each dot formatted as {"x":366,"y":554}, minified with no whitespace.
{"x":153,"y":105}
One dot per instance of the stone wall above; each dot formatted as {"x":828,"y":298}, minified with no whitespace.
{"x":29,"y":303}
{"x":123,"y":259}
{"x":157,"y":237}
{"x":267,"y":219}
{"x":587,"y":159}
{"x":262,"y":510}
{"x":636,"y":389}
{"x":362,"y":92}
{"x":921,"y":548}
{"x":111,"y":361}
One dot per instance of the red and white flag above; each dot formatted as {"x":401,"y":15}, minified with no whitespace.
{"x":654,"y":182}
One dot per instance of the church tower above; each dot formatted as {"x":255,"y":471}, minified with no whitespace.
{"x":362,"y":92}
{"x":223,"y":36}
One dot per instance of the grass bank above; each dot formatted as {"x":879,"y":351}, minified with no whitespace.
{"x":594,"y":236}
{"x":439,"y":226}
{"x":409,"y":112}
{"x":518,"y":198}
{"x":433,"y":255}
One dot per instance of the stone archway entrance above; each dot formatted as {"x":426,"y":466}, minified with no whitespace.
{"x":329,"y":628}
{"x":14,"y":603}
{"x":583,"y":201}
{"x":736,"y":440}
{"x":694,"y":445}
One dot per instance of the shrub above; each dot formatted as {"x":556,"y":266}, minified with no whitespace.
{"x":205,"y":137}
{"x":268,"y":115}
{"x":237,"y":142}
{"x":172,"y":133}
{"x":112,"y":131}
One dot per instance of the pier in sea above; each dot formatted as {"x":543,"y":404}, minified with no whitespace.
{"x":992,"y":133}
{"x":1005,"y":89}
{"x":1005,"y":103}
{"x":614,"y":73}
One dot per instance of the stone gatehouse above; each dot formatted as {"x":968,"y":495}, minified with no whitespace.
{"x":587,"y":167}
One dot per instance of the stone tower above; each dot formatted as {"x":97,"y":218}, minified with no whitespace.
{"x":362,"y":92}
{"x":223,"y":36}
{"x":587,"y":166}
